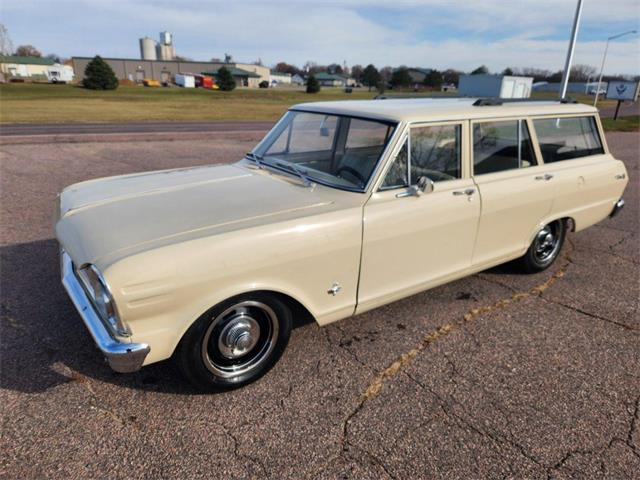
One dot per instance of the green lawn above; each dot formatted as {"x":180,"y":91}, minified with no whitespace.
{"x":622,"y":124}
{"x":42,"y":103}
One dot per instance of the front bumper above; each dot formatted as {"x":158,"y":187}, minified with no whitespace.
{"x":122,"y":357}
{"x":616,"y":208}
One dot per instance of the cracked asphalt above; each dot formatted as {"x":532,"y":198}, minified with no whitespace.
{"x":499,"y":375}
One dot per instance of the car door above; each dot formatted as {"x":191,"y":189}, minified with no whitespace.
{"x":516,"y":192}
{"x":412,"y":242}
{"x":587,"y":178}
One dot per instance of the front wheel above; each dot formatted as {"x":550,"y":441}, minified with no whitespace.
{"x":545,"y":247}
{"x":235,"y":342}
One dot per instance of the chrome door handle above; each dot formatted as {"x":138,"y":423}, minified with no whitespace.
{"x":546,"y":177}
{"x":621,"y":176}
{"x":468,"y":191}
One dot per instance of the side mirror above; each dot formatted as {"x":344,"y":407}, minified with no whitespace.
{"x":324,"y":132}
{"x":424,"y":185}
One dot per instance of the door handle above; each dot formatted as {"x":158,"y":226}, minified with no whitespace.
{"x":621,"y":176}
{"x":546,"y":177}
{"x":468,"y":191}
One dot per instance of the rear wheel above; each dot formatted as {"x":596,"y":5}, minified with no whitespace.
{"x":545,"y":247}
{"x":235,"y":342}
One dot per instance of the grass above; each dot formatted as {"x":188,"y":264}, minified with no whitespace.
{"x":44,"y":103}
{"x":622,"y":124}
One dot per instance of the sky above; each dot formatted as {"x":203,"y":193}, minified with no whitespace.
{"x":429,"y":33}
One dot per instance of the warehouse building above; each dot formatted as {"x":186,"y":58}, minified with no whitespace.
{"x":137,"y":70}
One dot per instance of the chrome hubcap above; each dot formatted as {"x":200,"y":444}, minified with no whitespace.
{"x":546,"y":243}
{"x":238,"y":336}
{"x":240,"y":339}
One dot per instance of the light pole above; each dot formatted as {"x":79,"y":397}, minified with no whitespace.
{"x":572,"y":47}
{"x":604,"y":58}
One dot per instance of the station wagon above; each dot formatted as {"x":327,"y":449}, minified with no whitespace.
{"x":341,"y":208}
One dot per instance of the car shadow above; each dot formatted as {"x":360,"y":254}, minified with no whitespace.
{"x":43,"y":342}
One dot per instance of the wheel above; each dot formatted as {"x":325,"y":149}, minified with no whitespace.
{"x":235,"y":342}
{"x":545,"y":247}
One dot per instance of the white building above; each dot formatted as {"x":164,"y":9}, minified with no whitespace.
{"x":279,"y":77}
{"x":499,"y":86}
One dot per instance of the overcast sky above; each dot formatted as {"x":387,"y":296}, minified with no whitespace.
{"x":430,"y":33}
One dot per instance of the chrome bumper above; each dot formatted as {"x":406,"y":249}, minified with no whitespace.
{"x":122,"y":357}
{"x":616,"y":208}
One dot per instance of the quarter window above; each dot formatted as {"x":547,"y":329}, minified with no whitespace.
{"x":500,"y":146}
{"x":397,"y":175}
{"x":567,"y":138}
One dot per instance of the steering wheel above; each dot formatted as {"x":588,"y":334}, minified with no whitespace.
{"x":353,"y":172}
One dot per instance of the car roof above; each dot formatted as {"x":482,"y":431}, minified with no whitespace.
{"x":442,"y":109}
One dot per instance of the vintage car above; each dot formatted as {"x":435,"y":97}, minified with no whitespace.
{"x":341,"y":208}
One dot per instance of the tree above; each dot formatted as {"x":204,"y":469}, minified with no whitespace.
{"x":434,"y":79}
{"x":6,"y":46}
{"x":507,"y":71}
{"x":386,"y":73}
{"x":582,"y":73}
{"x":284,"y":67}
{"x":482,"y":69}
{"x":370,"y":76}
{"x":401,"y":78}
{"x":225,"y":80}
{"x":28,"y":51}
{"x":451,"y":76}
{"x":99,"y":76}
{"x":356,"y":73}
{"x":335,"y":69}
{"x":313,"y":86}
{"x":54,"y":57}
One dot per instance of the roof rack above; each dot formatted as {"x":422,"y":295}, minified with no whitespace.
{"x":495,"y":101}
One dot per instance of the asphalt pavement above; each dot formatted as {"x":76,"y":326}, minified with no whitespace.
{"x":498,"y":375}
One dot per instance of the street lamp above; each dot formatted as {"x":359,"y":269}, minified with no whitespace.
{"x":604,"y":58}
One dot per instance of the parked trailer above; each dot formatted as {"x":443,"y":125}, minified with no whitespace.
{"x":503,"y":86}
{"x":57,"y":73}
{"x":186,"y":81}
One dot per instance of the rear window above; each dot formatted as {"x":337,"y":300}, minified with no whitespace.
{"x":567,"y":138}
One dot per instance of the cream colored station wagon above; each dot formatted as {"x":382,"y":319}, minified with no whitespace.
{"x":343,"y":207}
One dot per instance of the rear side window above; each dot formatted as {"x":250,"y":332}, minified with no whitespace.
{"x":567,"y":138}
{"x":500,"y":146}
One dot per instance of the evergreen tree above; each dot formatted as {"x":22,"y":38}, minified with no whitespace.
{"x":225,"y":80}
{"x":99,"y":76}
{"x":401,"y":78}
{"x":481,"y":70}
{"x":313,"y":86}
{"x":434,"y":79}
{"x":370,"y":76}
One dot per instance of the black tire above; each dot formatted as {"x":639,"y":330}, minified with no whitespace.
{"x":244,"y":335}
{"x":545,"y":248}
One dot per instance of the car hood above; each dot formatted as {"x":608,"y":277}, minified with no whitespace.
{"x":106,"y":219}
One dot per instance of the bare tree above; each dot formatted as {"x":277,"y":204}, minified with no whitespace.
{"x":28,"y":51}
{"x":6,"y":47}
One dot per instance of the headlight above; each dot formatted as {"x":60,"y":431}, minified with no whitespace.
{"x":101,"y":298}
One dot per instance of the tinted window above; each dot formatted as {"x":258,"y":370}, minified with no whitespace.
{"x":499,"y":146}
{"x":435,"y":153}
{"x":397,"y":174}
{"x":567,"y":138}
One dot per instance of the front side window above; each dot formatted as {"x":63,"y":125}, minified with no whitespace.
{"x":567,"y":138}
{"x":337,"y":151}
{"x":500,"y":146}
{"x":434,"y":153}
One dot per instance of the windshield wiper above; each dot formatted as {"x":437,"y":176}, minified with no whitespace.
{"x":255,"y":157}
{"x":297,"y":170}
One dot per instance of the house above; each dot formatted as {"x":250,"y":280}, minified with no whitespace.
{"x":14,"y":66}
{"x":331,"y":80}
{"x":297,"y":80}
{"x":276,"y":77}
{"x":242,"y":77}
{"x":418,"y":75}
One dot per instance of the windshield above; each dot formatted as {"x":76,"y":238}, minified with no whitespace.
{"x":337,"y":151}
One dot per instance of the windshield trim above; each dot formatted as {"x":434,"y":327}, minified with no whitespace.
{"x":374,"y":174}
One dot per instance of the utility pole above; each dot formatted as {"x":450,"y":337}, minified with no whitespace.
{"x":572,"y":47}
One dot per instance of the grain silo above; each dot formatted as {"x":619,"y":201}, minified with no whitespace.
{"x":148,"y":49}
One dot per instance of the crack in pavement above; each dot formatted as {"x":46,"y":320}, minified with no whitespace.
{"x":632,"y":329}
{"x":236,"y":451}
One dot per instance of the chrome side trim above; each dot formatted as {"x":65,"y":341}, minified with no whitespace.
{"x":122,"y":357}
{"x":616,"y":208}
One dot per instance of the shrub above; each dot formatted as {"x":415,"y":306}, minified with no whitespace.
{"x":99,"y":76}
{"x":225,"y":80}
{"x":264,"y":84}
{"x":313,"y":86}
